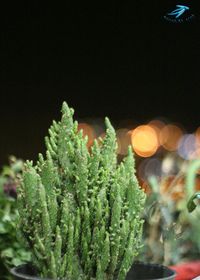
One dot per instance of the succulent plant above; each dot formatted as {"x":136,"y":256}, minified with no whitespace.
{"x":80,"y":210}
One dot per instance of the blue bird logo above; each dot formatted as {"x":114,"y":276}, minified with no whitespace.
{"x":179,"y":11}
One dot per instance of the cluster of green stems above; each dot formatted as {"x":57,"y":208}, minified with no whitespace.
{"x":80,"y":210}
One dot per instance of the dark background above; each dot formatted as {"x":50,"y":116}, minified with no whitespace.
{"x":117,"y":59}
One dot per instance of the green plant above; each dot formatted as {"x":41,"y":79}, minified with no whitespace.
{"x":191,"y":203}
{"x":79,"y":209}
{"x":12,"y":252}
{"x":171,"y":234}
{"x":190,"y":186}
{"x":161,"y":232}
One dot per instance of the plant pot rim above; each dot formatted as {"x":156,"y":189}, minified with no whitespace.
{"x":172,"y":273}
{"x":14,"y":271}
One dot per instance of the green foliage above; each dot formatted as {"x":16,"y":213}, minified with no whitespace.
{"x":194,"y":167}
{"x":79,"y":209}
{"x":171,"y":233}
{"x":12,"y":252}
{"x":191,"y":203}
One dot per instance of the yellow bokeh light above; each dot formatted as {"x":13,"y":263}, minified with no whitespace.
{"x":144,"y":140}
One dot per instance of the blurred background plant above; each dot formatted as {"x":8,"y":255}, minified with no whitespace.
{"x":191,"y":203}
{"x":171,"y":233}
{"x":12,"y":252}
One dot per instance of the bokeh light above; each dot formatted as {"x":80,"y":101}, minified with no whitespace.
{"x":157,"y":124}
{"x":144,"y":140}
{"x":169,"y":136}
{"x":197,"y":135}
{"x":187,"y":147}
{"x":89,"y":131}
{"x":149,"y":167}
{"x":168,"y":165}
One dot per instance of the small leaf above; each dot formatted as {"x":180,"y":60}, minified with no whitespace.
{"x":191,"y":204}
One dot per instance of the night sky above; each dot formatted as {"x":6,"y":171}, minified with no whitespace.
{"x":122,"y":60}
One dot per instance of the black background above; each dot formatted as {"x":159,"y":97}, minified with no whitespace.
{"x":117,"y":59}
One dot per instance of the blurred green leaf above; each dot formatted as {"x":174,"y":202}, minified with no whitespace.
{"x":7,"y":253}
{"x":3,"y":229}
{"x":12,"y":252}
{"x":191,"y":203}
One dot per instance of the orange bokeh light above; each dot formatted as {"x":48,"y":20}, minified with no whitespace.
{"x":89,"y":131}
{"x":144,"y":140}
{"x":169,"y":136}
{"x":158,"y":124}
{"x":197,"y":135}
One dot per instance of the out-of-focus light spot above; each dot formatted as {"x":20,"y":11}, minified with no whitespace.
{"x":123,"y":139}
{"x":157,"y":124}
{"x":144,"y":140}
{"x":197,"y":134}
{"x":169,"y":137}
{"x":167,"y":165}
{"x":89,"y":131}
{"x":187,"y":147}
{"x":149,"y":167}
